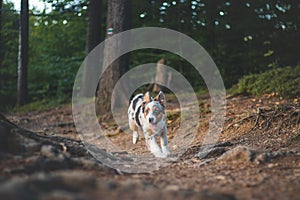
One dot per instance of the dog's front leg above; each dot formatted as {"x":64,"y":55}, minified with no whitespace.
{"x":134,"y":128}
{"x":153,"y":146}
{"x":164,"y":142}
{"x":135,"y":137}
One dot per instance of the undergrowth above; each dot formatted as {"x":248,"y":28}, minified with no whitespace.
{"x":40,"y":105}
{"x":283,"y":82}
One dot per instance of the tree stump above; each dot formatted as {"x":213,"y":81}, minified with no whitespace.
{"x":161,"y":77}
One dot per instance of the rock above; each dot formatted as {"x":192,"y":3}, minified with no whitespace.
{"x":271,"y":165}
{"x":172,"y":188}
{"x":205,"y":162}
{"x":267,"y":156}
{"x":61,"y":195}
{"x":80,"y":185}
{"x":49,"y":151}
{"x":213,"y":151}
{"x":264,"y":157}
{"x":244,"y":154}
{"x":68,"y":185}
{"x":224,"y":144}
{"x":239,"y":154}
{"x":209,"y":153}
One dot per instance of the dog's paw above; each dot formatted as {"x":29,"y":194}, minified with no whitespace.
{"x":134,"y":140}
{"x":166,"y":151}
{"x":159,"y":154}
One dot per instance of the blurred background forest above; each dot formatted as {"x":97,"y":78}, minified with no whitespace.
{"x":244,"y":38}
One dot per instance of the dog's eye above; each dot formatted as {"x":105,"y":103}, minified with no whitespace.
{"x":147,"y":111}
{"x":156,"y":110}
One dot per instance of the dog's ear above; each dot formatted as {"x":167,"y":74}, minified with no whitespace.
{"x":161,"y":98}
{"x":147,"y":98}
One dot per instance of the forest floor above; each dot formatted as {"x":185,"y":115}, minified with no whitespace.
{"x":257,"y":157}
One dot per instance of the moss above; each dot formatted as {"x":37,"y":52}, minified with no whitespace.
{"x":283,"y":82}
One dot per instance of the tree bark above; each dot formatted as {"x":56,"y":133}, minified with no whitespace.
{"x":118,"y":20}
{"x":1,"y":45}
{"x":161,"y":76}
{"x":22,"y":92}
{"x":93,"y":39}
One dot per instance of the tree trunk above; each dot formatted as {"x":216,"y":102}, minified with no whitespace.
{"x":211,"y":37}
{"x":118,"y":20}
{"x":1,"y":45}
{"x":161,"y":76}
{"x":22,"y":92}
{"x":93,"y":38}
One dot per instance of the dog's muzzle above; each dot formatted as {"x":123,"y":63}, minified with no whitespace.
{"x":151,"y":120}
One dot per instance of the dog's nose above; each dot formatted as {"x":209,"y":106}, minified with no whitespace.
{"x":151,"y":119}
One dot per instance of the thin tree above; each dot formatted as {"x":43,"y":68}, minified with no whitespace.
{"x":22,"y":92}
{"x":93,"y":37}
{"x":161,"y":76}
{"x":1,"y":34}
{"x":118,"y":20}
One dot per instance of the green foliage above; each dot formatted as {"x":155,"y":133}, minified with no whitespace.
{"x":56,"y":52}
{"x":282,"y":81}
{"x":9,"y":46}
{"x":174,"y":61}
{"x":239,"y":35}
{"x":242,"y":37}
{"x":40,"y":105}
{"x":173,"y":115}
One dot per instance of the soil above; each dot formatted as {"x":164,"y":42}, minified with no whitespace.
{"x":257,"y":157}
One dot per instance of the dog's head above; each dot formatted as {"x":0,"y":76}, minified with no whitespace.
{"x":154,"y":109}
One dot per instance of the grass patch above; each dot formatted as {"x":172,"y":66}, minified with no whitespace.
{"x":283,"y":82}
{"x":40,"y":105}
{"x":173,"y":115}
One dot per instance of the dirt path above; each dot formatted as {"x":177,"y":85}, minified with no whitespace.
{"x":257,"y":157}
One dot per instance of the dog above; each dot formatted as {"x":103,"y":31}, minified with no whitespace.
{"x":149,"y":115}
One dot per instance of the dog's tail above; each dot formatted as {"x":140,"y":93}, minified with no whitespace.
{"x":130,"y":99}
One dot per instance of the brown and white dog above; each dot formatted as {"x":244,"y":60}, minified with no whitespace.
{"x":149,"y":115}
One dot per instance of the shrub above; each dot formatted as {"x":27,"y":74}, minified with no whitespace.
{"x":282,"y":81}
